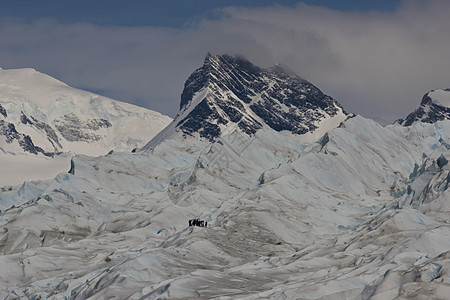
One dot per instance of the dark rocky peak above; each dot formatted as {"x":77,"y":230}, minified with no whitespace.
{"x":229,"y":92}
{"x":435,"y":106}
{"x":226,"y":71}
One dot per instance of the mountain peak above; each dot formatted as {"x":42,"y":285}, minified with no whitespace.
{"x":213,"y":69}
{"x":438,"y":97}
{"x":229,"y":92}
{"x":42,"y":117}
{"x":218,"y":61}
{"x":435,"y":106}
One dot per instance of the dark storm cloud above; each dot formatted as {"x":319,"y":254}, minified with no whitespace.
{"x":377,"y":64}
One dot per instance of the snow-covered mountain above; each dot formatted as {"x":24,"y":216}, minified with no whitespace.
{"x":41,"y":117}
{"x":229,"y":93}
{"x":435,"y":106}
{"x":362,"y":212}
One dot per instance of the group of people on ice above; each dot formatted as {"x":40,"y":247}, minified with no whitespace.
{"x":197,"y":222}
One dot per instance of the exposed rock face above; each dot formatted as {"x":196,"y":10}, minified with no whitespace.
{"x":435,"y":106}
{"x":73,"y":129}
{"x":230,"y":92}
{"x":70,"y":127}
{"x":8,"y":130}
{"x":51,"y":134}
{"x":3,"y":111}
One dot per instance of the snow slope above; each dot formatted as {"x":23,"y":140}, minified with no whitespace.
{"x":362,"y":212}
{"x":41,"y":117}
{"x":441,"y":97}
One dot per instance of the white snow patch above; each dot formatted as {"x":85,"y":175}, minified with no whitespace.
{"x":442,"y":97}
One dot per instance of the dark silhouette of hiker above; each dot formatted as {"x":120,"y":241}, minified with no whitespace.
{"x":198,"y":223}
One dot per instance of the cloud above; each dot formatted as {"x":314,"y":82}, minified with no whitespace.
{"x":128,"y":63}
{"x":377,"y":64}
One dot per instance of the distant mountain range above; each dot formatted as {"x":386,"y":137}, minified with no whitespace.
{"x":301,"y":199}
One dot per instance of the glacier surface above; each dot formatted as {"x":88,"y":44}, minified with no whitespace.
{"x":361,"y":213}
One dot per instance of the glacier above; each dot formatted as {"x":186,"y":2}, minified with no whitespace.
{"x":362,"y":212}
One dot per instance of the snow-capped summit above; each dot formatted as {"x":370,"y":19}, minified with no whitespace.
{"x":42,"y":117}
{"x":435,"y":106}
{"x":229,"y":93}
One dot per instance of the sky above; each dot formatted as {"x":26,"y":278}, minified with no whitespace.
{"x":377,"y":58}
